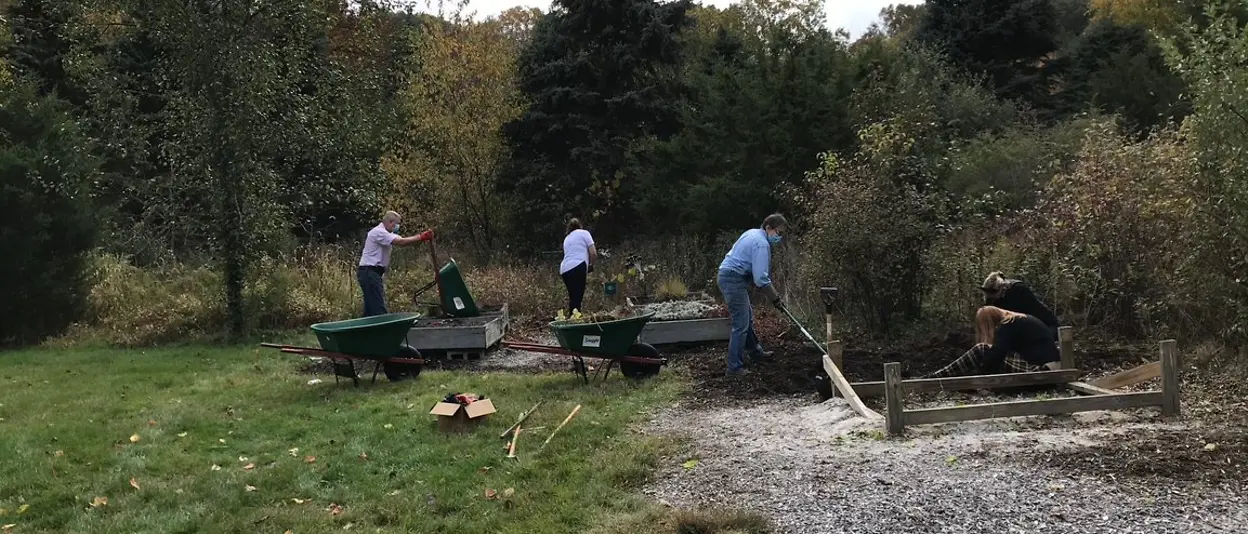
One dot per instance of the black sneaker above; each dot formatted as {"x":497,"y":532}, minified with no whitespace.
{"x":762,"y":357}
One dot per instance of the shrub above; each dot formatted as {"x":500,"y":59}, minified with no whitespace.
{"x":48,"y":228}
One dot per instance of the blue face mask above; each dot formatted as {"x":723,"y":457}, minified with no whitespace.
{"x":773,"y":239}
{"x":396,"y":229}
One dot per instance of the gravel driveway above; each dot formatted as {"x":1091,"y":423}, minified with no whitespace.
{"x":820,"y":469}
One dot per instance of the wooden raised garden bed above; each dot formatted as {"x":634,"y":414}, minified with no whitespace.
{"x":465,"y":334}
{"x":705,"y":321}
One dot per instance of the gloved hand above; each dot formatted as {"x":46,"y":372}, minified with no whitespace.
{"x":426,"y":235}
{"x":773,"y":295}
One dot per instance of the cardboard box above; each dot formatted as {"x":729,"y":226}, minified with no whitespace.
{"x":455,"y":417}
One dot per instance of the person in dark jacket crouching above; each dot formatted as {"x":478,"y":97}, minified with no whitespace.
{"x":1016,"y":296}
{"x":1008,"y":342}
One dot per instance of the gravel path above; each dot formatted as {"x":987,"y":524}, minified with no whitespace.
{"x":820,"y":469}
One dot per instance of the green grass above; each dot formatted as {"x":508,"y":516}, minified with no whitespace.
{"x":67,"y":417}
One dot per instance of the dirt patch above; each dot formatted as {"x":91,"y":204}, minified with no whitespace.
{"x":1213,"y":456}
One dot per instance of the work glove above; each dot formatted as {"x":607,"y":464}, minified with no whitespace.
{"x":773,"y":295}
{"x":426,"y":235}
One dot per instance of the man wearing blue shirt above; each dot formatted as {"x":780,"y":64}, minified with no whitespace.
{"x":748,"y":261}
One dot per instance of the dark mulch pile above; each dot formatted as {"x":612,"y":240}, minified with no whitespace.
{"x":1183,"y":455}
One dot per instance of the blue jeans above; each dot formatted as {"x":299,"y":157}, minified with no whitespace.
{"x":735,"y":288}
{"x":374,"y":291}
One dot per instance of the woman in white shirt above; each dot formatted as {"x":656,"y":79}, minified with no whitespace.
{"x":579,"y":256}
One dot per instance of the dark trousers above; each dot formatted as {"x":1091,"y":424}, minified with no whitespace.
{"x":575,"y":282}
{"x":374,"y":290}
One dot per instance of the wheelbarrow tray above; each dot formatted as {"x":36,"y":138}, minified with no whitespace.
{"x":379,"y":336}
{"x":608,"y":338}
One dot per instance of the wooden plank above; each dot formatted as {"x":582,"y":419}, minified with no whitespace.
{"x":895,"y":419}
{"x":1089,"y":389}
{"x":1130,"y":377}
{"x":1009,"y":380}
{"x":847,"y":390}
{"x":1117,"y":401}
{"x":687,"y":331}
{"x":1169,"y":378}
{"x":1066,"y":345}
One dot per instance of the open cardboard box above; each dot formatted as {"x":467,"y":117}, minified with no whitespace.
{"x":455,"y":417}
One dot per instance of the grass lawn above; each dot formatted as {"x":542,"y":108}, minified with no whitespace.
{"x":234,"y":440}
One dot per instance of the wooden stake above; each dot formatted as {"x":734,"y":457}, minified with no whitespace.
{"x":523,"y":416}
{"x":1066,"y":337}
{"x":1169,"y":378}
{"x":895,"y":416}
{"x":565,"y":421}
{"x":511,"y":451}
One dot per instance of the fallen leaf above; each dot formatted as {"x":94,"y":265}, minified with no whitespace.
{"x":8,"y":527}
{"x":182,"y":434}
{"x":221,"y":440}
{"x":309,"y":459}
{"x":22,"y":509}
{"x":364,"y":456}
{"x":294,"y":451}
{"x":950,"y":460}
{"x":507,"y":493}
{"x":393,"y":493}
{"x":134,"y":483}
{"x":484,"y":469}
{"x":99,"y":501}
{"x":298,"y":501}
{"x":250,"y":487}
{"x":388,"y":425}
{"x":1211,"y":447}
{"x":151,"y":422}
{"x":249,"y":467}
{"x":334,"y":509}
{"x":134,"y":439}
{"x":348,"y":526}
{"x":289,"y":532}
{"x":491,"y":494}
{"x":690,"y":464}
{"x":242,"y":458}
{"x":58,"y":454}
{"x":216,"y":467}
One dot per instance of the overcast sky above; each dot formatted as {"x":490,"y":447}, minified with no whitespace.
{"x":852,"y":15}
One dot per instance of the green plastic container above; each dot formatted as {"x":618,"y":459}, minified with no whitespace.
{"x":379,"y":336}
{"x":612,"y":338}
{"x":456,"y":299}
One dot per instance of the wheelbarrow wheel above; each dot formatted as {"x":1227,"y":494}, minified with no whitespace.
{"x":638,"y":371}
{"x":397,"y":371}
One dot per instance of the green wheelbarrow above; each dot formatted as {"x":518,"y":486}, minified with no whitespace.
{"x":615,"y":341}
{"x":381,"y":339}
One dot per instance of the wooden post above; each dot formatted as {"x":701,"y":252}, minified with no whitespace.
{"x":1066,"y":337}
{"x":1169,"y":378}
{"x":895,"y":416}
{"x":837,"y":354}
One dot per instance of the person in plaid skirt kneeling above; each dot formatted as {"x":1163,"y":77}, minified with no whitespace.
{"x":1008,"y":342}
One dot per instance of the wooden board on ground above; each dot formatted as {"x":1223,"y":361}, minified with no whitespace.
{"x":1130,"y":377}
{"x":482,"y":332}
{"x":847,"y":391}
{"x":928,"y":385}
{"x":1117,"y":401}
{"x":1089,"y":389}
{"x":686,"y":331}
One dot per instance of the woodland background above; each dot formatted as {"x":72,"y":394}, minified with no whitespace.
{"x":201,"y":169}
